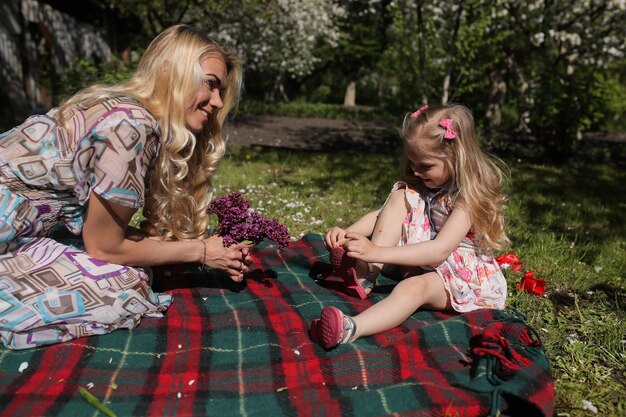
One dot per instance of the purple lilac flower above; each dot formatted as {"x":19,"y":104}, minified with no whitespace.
{"x":278,"y":233}
{"x":230,"y":210}
{"x":237,"y":223}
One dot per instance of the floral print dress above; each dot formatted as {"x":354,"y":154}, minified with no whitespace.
{"x":51,"y":290}
{"x":471,"y":277}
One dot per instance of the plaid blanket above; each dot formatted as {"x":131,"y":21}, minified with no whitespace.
{"x":229,"y":349}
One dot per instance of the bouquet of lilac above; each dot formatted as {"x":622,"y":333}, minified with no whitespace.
{"x":238,"y":223}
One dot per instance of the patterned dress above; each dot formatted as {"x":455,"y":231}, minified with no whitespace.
{"x":472,"y":277}
{"x":51,"y":290}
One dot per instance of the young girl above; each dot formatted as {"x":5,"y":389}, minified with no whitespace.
{"x":436,"y":229}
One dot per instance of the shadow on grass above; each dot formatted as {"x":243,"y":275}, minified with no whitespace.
{"x":582,"y":203}
{"x":373,"y":171}
{"x":614,"y":294}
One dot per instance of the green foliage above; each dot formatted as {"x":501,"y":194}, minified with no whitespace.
{"x":321,"y":94}
{"x":305,"y":109}
{"x":362,"y":37}
{"x":85,"y":72}
{"x":152,"y":16}
{"x":608,"y":101}
{"x":561,"y":78}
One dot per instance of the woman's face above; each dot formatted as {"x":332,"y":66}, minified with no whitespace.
{"x":207,"y":100}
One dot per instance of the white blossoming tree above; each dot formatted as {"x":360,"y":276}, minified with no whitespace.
{"x":279,"y":38}
{"x":276,"y":38}
{"x":566,"y":50}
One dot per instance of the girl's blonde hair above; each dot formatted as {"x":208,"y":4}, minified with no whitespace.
{"x":475,"y":178}
{"x":168,"y":76}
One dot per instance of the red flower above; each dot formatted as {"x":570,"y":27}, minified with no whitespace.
{"x":531,"y":284}
{"x":510,"y":260}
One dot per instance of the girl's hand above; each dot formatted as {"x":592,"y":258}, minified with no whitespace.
{"x":233,"y":260}
{"x":359,"y":247}
{"x":335,"y":237}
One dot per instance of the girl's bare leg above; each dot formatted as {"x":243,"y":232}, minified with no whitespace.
{"x":387,"y":230}
{"x":425,"y":290}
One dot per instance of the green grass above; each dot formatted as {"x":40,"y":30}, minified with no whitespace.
{"x":324,"y":110}
{"x":567,"y":223}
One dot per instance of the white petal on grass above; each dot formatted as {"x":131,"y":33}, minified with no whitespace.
{"x":587,"y":405}
{"x":23,"y":367}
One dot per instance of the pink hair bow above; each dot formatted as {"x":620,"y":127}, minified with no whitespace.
{"x":419,"y":111}
{"x":449,"y":134}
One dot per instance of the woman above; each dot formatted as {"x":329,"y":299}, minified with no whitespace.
{"x":153,"y":141}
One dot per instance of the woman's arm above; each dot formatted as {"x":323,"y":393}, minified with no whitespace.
{"x":432,"y":252}
{"x":107,"y":237}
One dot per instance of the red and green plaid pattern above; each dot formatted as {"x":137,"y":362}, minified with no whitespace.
{"x":226,"y":349}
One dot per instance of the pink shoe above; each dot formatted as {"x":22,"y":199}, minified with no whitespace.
{"x":344,"y":267}
{"x":331,"y":329}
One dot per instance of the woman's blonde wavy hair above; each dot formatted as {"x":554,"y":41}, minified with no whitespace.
{"x":476,"y":178}
{"x":168,"y":76}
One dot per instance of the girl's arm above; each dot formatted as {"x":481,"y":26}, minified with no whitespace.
{"x":432,"y":252}
{"x":108,"y":238}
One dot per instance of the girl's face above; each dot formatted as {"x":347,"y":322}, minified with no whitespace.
{"x":432,"y":171}
{"x":207,"y":100}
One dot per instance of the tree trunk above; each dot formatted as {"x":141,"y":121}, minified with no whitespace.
{"x":280,"y":87}
{"x":283,"y":94}
{"x":497,"y":93}
{"x":422,"y":53}
{"x":523,"y":87}
{"x":445,"y":96}
{"x":496,"y":98}
{"x":446,"y":88}
{"x":349,"y":100}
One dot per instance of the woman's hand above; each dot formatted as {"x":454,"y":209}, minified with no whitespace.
{"x":359,"y":247}
{"x":233,"y":260}
{"x":244,"y":248}
{"x":335,"y":237}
